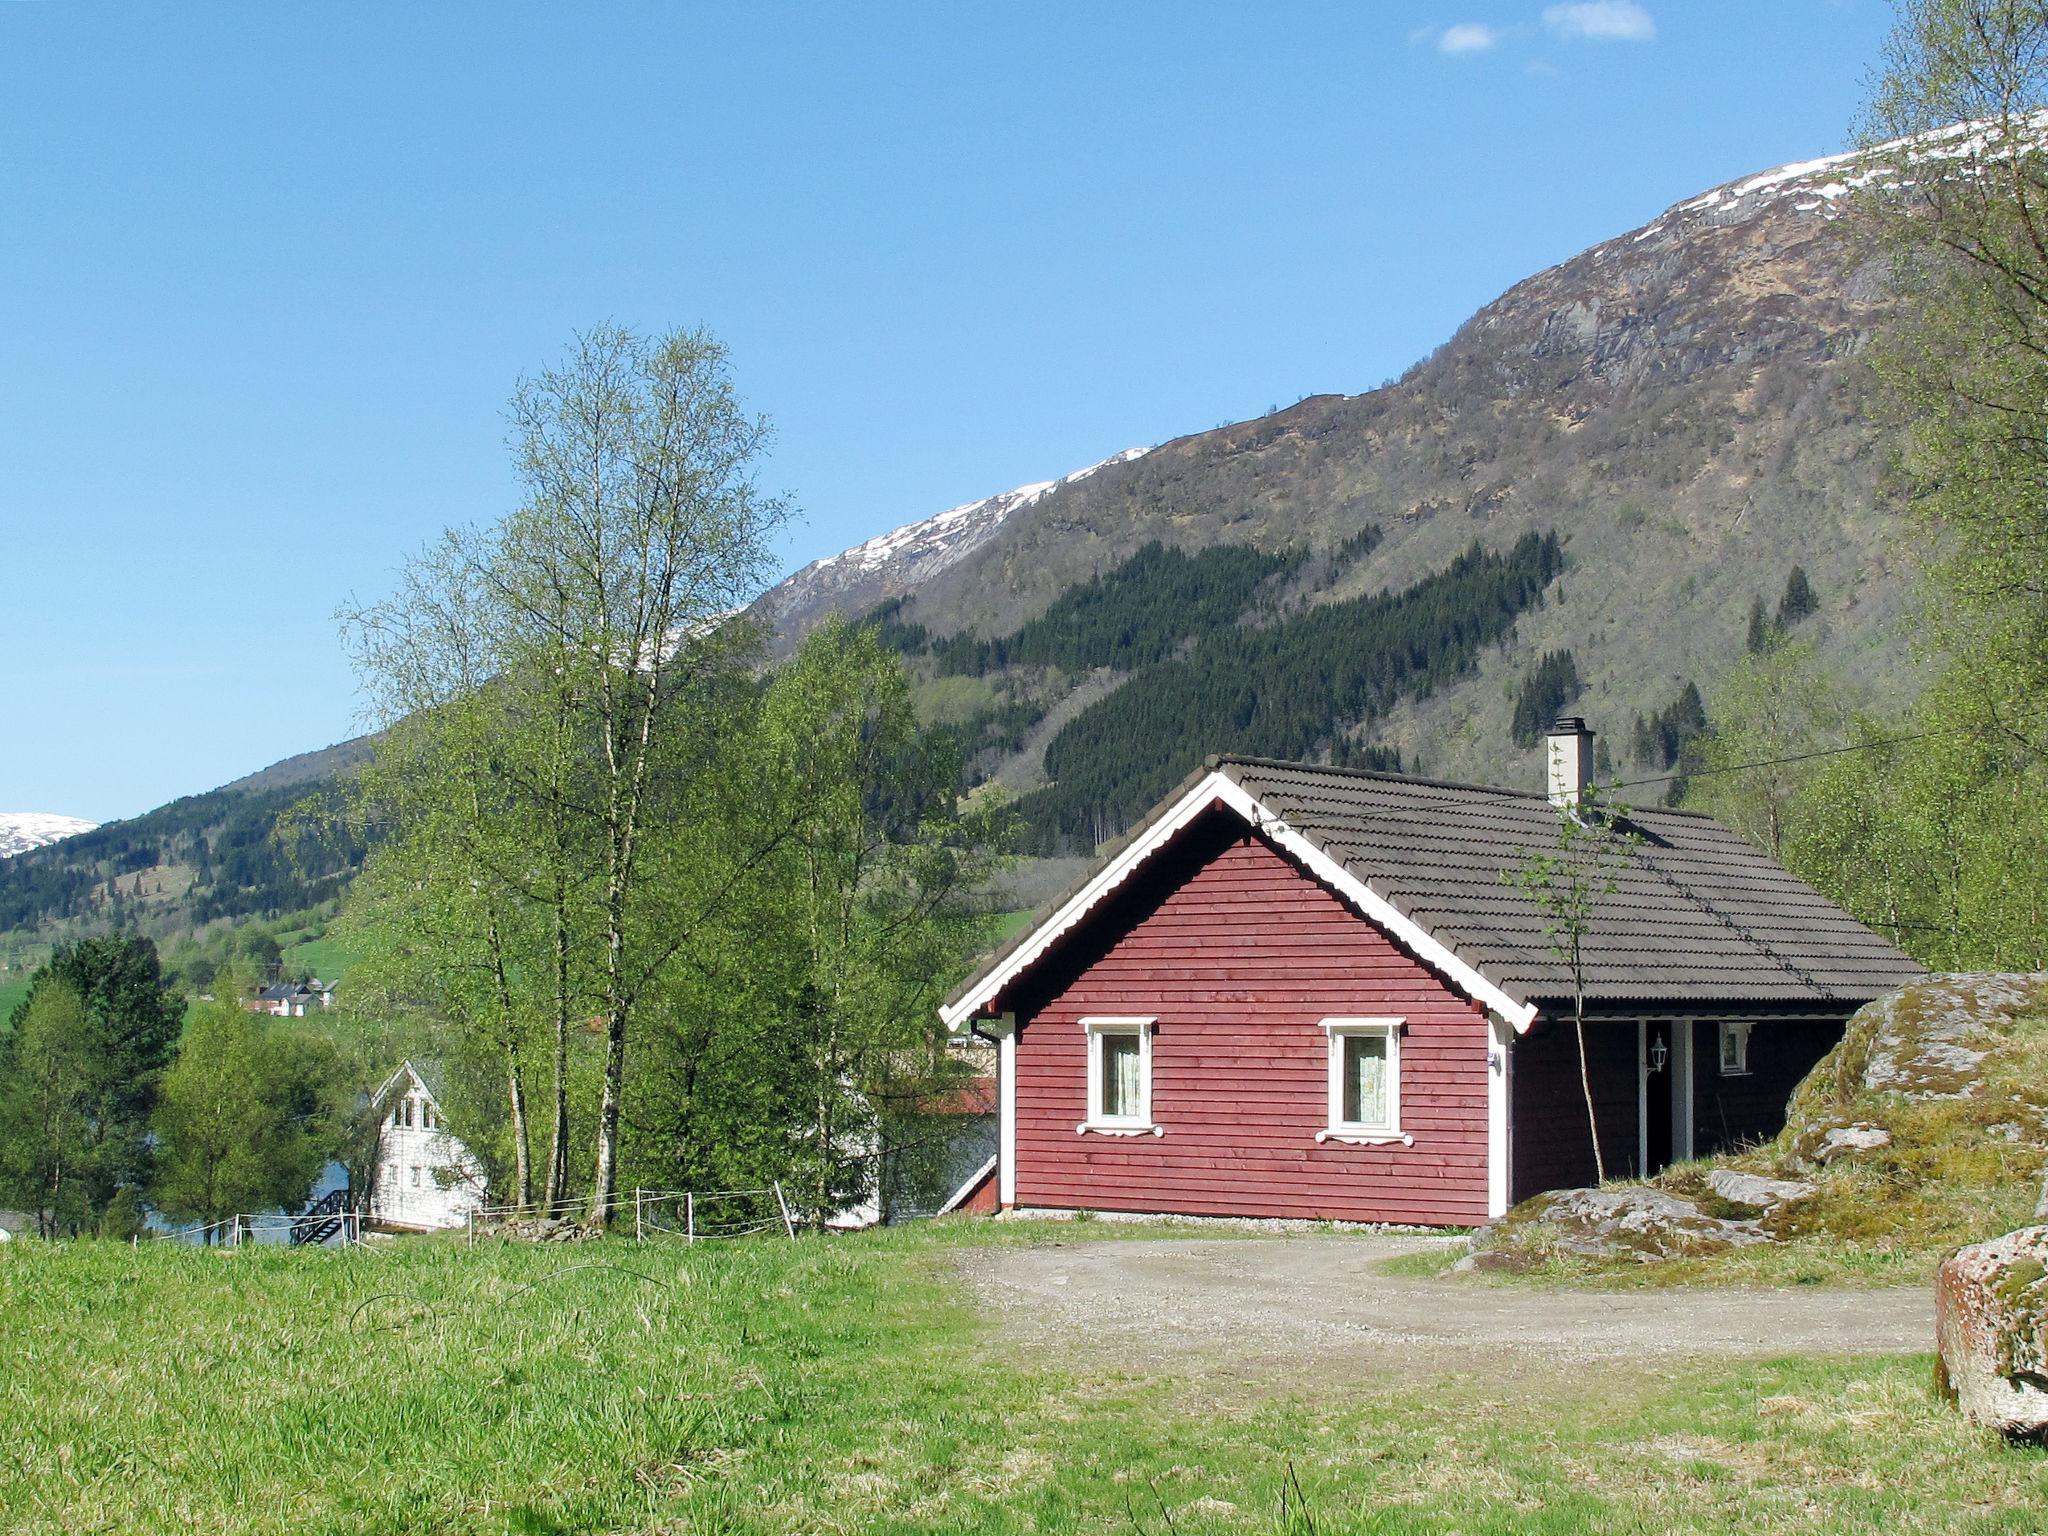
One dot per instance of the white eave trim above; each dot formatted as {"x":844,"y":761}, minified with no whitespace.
{"x":1215,"y":788}
{"x":967,"y":1187}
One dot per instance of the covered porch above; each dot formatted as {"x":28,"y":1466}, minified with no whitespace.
{"x":1667,"y":1087}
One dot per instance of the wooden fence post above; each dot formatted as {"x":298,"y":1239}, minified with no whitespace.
{"x":639,"y":1216}
{"x":788,"y":1226}
{"x":469,"y":1227}
{"x":690,"y":1217}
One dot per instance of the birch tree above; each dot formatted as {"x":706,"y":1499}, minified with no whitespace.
{"x":1568,"y":882}
{"x":642,"y":531}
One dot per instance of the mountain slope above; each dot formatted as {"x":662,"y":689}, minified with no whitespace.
{"x":23,"y":830}
{"x":1682,"y":403}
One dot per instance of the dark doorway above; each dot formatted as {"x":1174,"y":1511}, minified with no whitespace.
{"x":1659,"y":1053}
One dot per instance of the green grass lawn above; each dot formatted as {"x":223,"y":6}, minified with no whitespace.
{"x":1009,"y":924}
{"x":848,"y":1385}
{"x":326,"y":957}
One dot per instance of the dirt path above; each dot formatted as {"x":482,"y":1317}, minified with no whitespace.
{"x":1309,"y":1305}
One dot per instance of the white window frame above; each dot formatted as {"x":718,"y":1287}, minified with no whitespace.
{"x":1739,"y":1033}
{"x":1096,"y":1123}
{"x":1357,"y":1133}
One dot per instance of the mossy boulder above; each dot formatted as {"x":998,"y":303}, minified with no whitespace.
{"x":1991,"y":1332}
{"x":1927,"y":1125}
{"x":1632,"y":1223}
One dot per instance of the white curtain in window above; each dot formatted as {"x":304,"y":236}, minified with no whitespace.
{"x":1120,"y":1095}
{"x":1365,"y":1079}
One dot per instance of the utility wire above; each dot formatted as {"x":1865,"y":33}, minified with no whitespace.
{"x":1804,"y":757}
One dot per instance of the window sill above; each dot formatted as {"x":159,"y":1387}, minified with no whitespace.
{"x":1091,"y":1128}
{"x":1352,"y":1138}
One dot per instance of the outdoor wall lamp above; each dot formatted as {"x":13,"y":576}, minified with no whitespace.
{"x":1659,"y":1054}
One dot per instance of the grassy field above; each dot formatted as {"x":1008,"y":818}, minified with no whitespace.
{"x":326,"y":957}
{"x":848,"y":1385}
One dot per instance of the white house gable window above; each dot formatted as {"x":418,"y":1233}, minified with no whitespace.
{"x":1734,"y":1050}
{"x":1365,"y":1082}
{"x":1119,"y":1077}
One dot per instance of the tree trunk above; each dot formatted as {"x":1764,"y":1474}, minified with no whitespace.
{"x":515,"y":1090}
{"x":1586,"y":1083}
{"x":558,"y":1143}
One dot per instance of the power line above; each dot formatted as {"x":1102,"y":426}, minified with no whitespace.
{"x":1806,"y":757}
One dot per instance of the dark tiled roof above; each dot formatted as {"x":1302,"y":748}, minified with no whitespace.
{"x":1697,"y":911}
{"x":1699,"y":915}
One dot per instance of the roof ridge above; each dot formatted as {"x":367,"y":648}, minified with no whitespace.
{"x":1216,"y":760}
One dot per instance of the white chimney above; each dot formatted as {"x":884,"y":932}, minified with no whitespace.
{"x":1567,"y":755}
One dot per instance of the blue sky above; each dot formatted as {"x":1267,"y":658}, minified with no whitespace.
{"x":268,"y":273}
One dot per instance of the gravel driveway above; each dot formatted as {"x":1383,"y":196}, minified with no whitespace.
{"x":1312,"y":1304}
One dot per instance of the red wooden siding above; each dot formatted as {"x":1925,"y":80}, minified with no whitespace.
{"x":982,"y":1202}
{"x":1240,"y":956}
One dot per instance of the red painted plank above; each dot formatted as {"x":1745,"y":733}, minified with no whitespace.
{"x":1240,"y":957}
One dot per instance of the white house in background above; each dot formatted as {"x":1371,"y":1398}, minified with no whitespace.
{"x":293,"y":999}
{"x":425,"y":1178}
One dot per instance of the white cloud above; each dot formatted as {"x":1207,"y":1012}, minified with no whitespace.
{"x":1608,"y":20}
{"x":1467,"y":37}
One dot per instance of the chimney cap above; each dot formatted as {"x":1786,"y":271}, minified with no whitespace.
{"x":1570,"y":725}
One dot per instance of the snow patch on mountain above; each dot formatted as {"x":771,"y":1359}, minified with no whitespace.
{"x":1821,"y":184}
{"x":23,"y":830}
{"x":923,"y":549}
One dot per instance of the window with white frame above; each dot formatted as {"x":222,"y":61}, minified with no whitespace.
{"x":1119,"y":1075}
{"x":1734,"y":1050}
{"x":1365,"y":1081}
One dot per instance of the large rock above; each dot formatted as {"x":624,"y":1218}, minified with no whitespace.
{"x":1991,"y":1332}
{"x":1754,"y":1189}
{"x":1635,"y":1221}
{"x":1927,"y":1040}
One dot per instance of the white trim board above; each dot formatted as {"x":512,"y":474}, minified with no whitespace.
{"x":968,"y":1187}
{"x":1216,"y":788}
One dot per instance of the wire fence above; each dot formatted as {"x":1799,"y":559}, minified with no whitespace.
{"x":693,"y":1215}
{"x":690,"y":1215}
{"x":271,"y":1228}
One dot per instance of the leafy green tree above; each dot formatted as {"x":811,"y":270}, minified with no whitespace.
{"x":47,"y":1086}
{"x":878,"y":867}
{"x":1568,"y":882}
{"x":250,"y":1112}
{"x":1961,"y":222}
{"x":131,"y":1026}
{"x":1934,"y":838}
{"x":567,"y":674}
{"x":1749,"y":768}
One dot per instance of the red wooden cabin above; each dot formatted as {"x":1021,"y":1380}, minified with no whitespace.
{"x":1303,"y":991}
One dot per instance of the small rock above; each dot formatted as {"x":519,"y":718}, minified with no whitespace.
{"x":1991,"y":1332}
{"x":1751,"y":1189}
{"x":1851,"y":1138}
{"x":1819,"y":1145}
{"x":2041,"y":1205}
